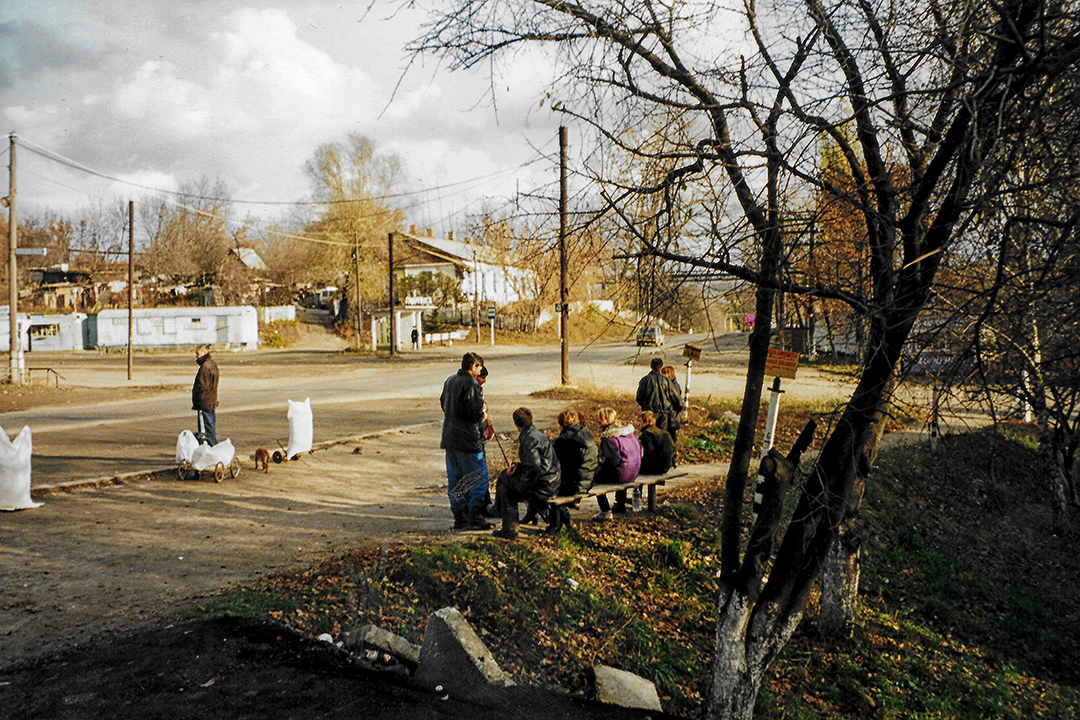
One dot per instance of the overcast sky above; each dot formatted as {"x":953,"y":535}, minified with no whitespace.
{"x":159,"y":92}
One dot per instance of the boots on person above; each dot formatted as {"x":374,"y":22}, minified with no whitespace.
{"x":509,"y":529}
{"x":459,"y":519}
{"x":473,"y":520}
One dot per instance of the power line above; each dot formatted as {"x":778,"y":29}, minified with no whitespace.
{"x":75,"y":165}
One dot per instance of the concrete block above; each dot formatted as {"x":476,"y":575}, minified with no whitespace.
{"x":455,"y":659}
{"x":619,"y":687}
{"x":370,"y":637}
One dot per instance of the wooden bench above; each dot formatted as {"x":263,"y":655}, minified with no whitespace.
{"x":644,"y":481}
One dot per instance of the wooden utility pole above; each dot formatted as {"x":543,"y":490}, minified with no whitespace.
{"x":131,"y":280}
{"x":564,"y":290}
{"x":13,"y":282}
{"x":393,"y":322}
{"x":356,"y":257}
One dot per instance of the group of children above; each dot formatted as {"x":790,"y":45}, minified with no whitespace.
{"x":618,"y":459}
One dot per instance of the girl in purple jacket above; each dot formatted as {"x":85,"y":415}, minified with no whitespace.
{"x":620,"y":460}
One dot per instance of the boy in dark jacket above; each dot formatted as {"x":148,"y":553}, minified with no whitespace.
{"x":533,"y":478}
{"x":656,"y":445}
{"x":578,"y":459}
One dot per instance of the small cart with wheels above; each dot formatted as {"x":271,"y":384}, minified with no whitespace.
{"x":194,"y":460}
{"x":186,"y":471}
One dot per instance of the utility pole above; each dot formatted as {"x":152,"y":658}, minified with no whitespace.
{"x":13,"y":289}
{"x":564,"y":290}
{"x":393,"y":322}
{"x":356,"y":257}
{"x":131,"y":279}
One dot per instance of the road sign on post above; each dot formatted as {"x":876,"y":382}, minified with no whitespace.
{"x":491,"y":321}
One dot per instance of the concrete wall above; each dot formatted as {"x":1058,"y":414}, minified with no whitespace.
{"x":232,"y":327}
{"x":279,"y":312}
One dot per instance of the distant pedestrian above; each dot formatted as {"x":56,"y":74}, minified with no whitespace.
{"x":415,"y":339}
{"x":462,"y":403}
{"x":204,"y":396}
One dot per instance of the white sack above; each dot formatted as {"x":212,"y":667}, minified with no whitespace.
{"x":301,"y":427}
{"x":15,"y":471}
{"x":185,"y":446}
{"x":206,"y":457}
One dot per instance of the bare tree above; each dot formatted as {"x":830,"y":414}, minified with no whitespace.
{"x":351,"y":182}
{"x":922,"y":102}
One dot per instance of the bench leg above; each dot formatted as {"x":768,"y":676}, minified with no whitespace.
{"x":652,"y":498}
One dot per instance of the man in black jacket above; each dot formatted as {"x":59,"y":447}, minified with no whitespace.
{"x":204,"y":396}
{"x":462,"y":403}
{"x":656,"y":393}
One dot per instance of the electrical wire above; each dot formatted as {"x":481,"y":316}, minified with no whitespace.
{"x":75,"y":165}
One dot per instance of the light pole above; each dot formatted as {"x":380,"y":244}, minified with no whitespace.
{"x":13,"y":290}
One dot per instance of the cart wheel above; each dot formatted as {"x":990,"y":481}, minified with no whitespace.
{"x":234,"y":467}
{"x":181,"y":470}
{"x":219,"y":472}
{"x":278,"y":456}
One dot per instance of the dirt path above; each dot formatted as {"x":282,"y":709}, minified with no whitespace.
{"x":111,"y":558}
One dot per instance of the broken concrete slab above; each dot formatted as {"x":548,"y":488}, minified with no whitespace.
{"x":454,"y":660}
{"x":371,"y":637}
{"x":619,"y":687}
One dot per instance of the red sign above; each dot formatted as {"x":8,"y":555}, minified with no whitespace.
{"x":782,"y":364}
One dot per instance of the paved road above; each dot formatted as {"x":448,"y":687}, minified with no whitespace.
{"x":350,"y":395}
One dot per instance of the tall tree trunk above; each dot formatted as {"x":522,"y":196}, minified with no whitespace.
{"x":840,"y":572}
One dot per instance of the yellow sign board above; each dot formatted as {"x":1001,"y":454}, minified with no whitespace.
{"x":691,"y":353}
{"x":782,"y":364}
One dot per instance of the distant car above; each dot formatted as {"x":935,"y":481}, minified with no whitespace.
{"x":650,"y":336}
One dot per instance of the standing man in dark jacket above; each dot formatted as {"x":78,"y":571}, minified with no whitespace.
{"x":655,"y":392}
{"x":533,"y":478}
{"x":466,"y":466}
{"x":204,"y":396}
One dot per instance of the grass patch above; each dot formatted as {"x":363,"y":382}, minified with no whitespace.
{"x":969,"y":606}
{"x":279,"y":334}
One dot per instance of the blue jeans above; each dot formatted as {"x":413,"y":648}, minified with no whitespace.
{"x":467,"y":480}
{"x":206,"y":426}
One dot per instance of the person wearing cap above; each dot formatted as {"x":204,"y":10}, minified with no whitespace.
{"x":204,"y":396}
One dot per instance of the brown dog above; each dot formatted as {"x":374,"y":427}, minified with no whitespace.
{"x":262,"y":455}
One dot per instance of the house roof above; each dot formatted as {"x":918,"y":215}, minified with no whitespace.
{"x":459,"y":253}
{"x":249,"y":257}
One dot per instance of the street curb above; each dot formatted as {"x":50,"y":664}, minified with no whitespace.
{"x":170,"y":471}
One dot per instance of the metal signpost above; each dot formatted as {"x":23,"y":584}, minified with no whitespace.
{"x":491,"y":320}
{"x":691,"y":353}
{"x":780,"y":364}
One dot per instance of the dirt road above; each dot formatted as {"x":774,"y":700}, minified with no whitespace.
{"x":101,"y":559}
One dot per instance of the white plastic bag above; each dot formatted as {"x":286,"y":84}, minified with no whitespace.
{"x":185,"y":446}
{"x":15,"y":471}
{"x":206,"y":457}
{"x":301,"y":427}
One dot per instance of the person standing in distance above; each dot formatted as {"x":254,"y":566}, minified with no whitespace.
{"x":656,"y":393}
{"x":204,"y":396}
{"x":462,"y":403}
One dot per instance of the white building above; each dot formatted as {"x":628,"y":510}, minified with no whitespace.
{"x":484,"y":273}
